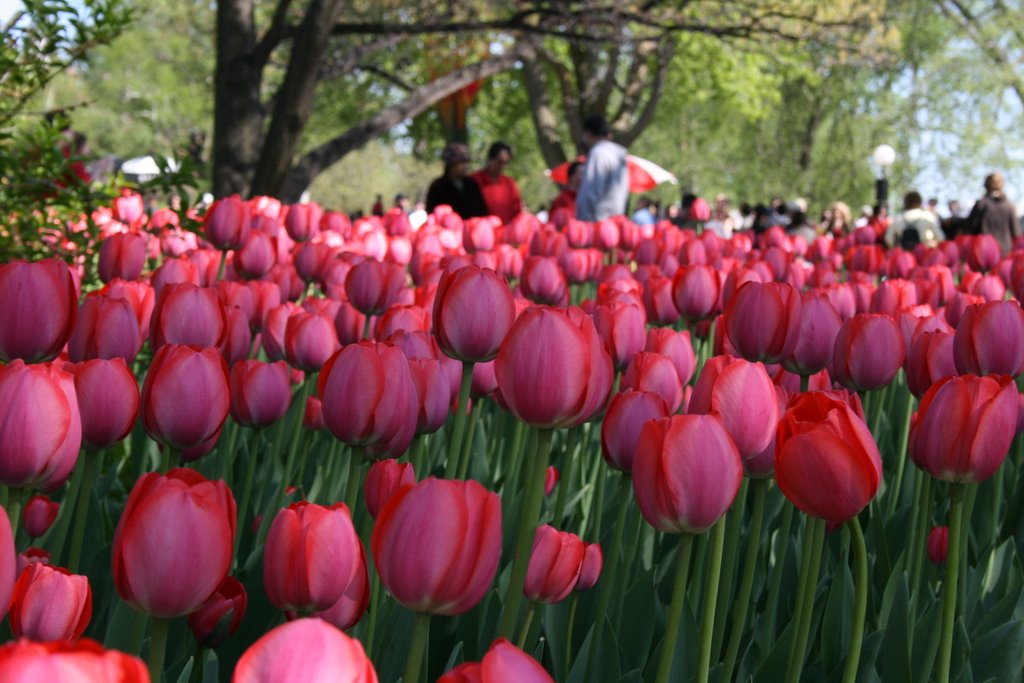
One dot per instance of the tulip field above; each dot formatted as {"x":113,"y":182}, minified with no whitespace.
{"x":285,"y":447}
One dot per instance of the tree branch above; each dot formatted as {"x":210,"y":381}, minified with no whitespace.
{"x":275,"y":33}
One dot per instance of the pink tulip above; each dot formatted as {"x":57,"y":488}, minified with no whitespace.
{"x":543,"y":281}
{"x":437,"y":544}
{"x":373,"y":286}
{"x":503,"y":663}
{"x":39,"y":514}
{"x":309,"y":341}
{"x":869,"y":351}
{"x":122,"y":255}
{"x":473,"y":312}
{"x":305,"y":651}
{"x":50,"y":603}
{"x":555,"y":563}
{"x":173,"y":543}
{"x":383,"y":479}
{"x":620,"y":430}
{"x":38,"y":306}
{"x":678,"y":348}
{"x":762,"y":321}
{"x":621,"y":326}
{"x":186,"y":314}
{"x":107,"y":328}
{"x":185,"y":397}
{"x":108,"y":398}
{"x":256,"y":256}
{"x":686,"y":473}
{"x":697,"y":292}
{"x":990,"y":339}
{"x":41,"y":431}
{"x":260,"y":392}
{"x":742,"y":394}
{"x":221,"y":614}
{"x":816,"y":338}
{"x":84,"y":661}
{"x":227,"y":223}
{"x":649,"y":371}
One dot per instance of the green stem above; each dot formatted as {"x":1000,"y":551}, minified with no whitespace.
{"x":467,"y":442}
{"x":250,"y":476}
{"x":157,"y":648}
{"x":12,"y":501}
{"x":59,"y":534}
{"x":901,"y":454}
{"x":949,"y":587}
{"x":781,"y":552}
{"x":732,"y":651}
{"x":355,"y":478}
{"x":707,"y":622}
{"x":417,"y":645}
{"x":221,"y":269}
{"x":920,"y":534}
{"x":92,"y":464}
{"x":526,"y":626}
{"x":805,"y":384}
{"x":227,"y":457}
{"x":734,"y":524}
{"x":533,"y":497}
{"x":675,"y":610}
{"x":574,"y":602}
{"x":565,"y":481}
{"x":366,"y":326}
{"x":451,"y":467}
{"x":374,"y":609}
{"x":860,"y":582}
{"x":418,"y":456}
{"x":815,"y":533}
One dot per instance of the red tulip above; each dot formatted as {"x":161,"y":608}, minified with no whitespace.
{"x":351,"y":606}
{"x":122,"y":255}
{"x":221,"y":614}
{"x":275,"y":325}
{"x":107,"y":328}
{"x":382,"y":480}
{"x":658,"y":302}
{"x":551,"y":477}
{"x":41,"y":430}
{"x":964,"y":427}
{"x":938,"y":544}
{"x":227,"y":223}
{"x":305,"y":651}
{"x":621,"y":326}
{"x":762,"y":321}
{"x":982,"y":253}
{"x":173,"y":543}
{"x":686,"y":472}
{"x":313,"y":261}
{"x":309,"y":341}
{"x":678,"y":348}
{"x":503,"y":663}
{"x":30,"y":555}
{"x":260,"y":392}
{"x":650,"y":371}
{"x":742,"y":394}
{"x":139,"y":295}
{"x":826,"y":461}
{"x":620,"y":430}
{"x":186,"y":314}
{"x":238,"y":337}
{"x":50,"y":603}
{"x":404,"y":317}
{"x":869,"y":351}
{"x":40,"y":513}
{"x":473,"y":312}
{"x":373,"y":286}
{"x":313,"y":416}
{"x":555,"y":563}
{"x":816,"y":338}
{"x":590,"y":570}
{"x":543,"y":281}
{"x":8,"y":563}
{"x":437,"y":545}
{"x":38,"y":306}
{"x":108,"y":401}
{"x":84,"y":661}
{"x":310,"y":556}
{"x":892,"y":296}
{"x":368,"y":394}
{"x":697,"y":292}
{"x":990,"y":339}
{"x":257,"y":256}
{"x":128,"y":208}
{"x":547,"y":343}
{"x":930,"y":359}
{"x":185,"y":397}
{"x":303,"y":221}
{"x":174,"y":271}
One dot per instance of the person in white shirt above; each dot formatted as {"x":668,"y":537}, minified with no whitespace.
{"x":605,"y":187}
{"x":914,"y":225}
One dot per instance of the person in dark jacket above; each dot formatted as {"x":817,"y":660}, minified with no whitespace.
{"x":455,"y":188}
{"x":994,"y":214}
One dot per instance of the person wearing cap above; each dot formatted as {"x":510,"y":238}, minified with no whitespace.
{"x":994,"y":214}
{"x":604,"y":190}
{"x":455,"y":188}
{"x":501,"y":195}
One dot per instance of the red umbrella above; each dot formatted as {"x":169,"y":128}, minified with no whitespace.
{"x":644,"y":175}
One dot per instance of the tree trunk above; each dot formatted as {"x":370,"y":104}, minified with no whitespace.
{"x":238,"y":116}
{"x":419,"y":100}
{"x":294,"y":101}
{"x":545,"y":121}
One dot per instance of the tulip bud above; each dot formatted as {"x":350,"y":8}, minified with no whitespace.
{"x":742,"y":394}
{"x":621,"y":326}
{"x":649,"y":371}
{"x":221,"y":615}
{"x":382,"y":480}
{"x":869,"y":351}
{"x":473,"y":312}
{"x":185,"y":397}
{"x":174,"y":542}
{"x":108,"y":400}
{"x":677,"y":347}
{"x":187,"y":314}
{"x":697,"y":292}
{"x":351,"y":606}
{"x":990,"y":339}
{"x":309,"y":340}
{"x":686,"y":473}
{"x":50,"y":603}
{"x":503,"y":663}
{"x":543,"y":281}
{"x":306,"y":651}
{"x":107,"y":328}
{"x":373,"y":286}
{"x":122,"y":255}
{"x":40,"y":513}
{"x":38,"y":304}
{"x":938,"y":544}
{"x":590,"y":570}
{"x":762,"y":321}
{"x":38,"y":447}
{"x":260,"y":392}
{"x":310,"y":556}
{"x":458,"y":526}
{"x":620,"y":429}
{"x":551,"y":477}
{"x":227,"y":223}
{"x":555,"y":563}
{"x":826,"y":461}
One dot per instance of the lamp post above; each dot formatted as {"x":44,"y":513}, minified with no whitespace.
{"x":883,"y":156}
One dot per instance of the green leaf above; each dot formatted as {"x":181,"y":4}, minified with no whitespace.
{"x":896,"y":654}
{"x":835,"y":628}
{"x":211,"y":667}
{"x":186,"y":673}
{"x":999,"y":654}
{"x":637,"y":628}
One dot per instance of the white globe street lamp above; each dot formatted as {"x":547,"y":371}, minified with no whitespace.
{"x":884,"y":156}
